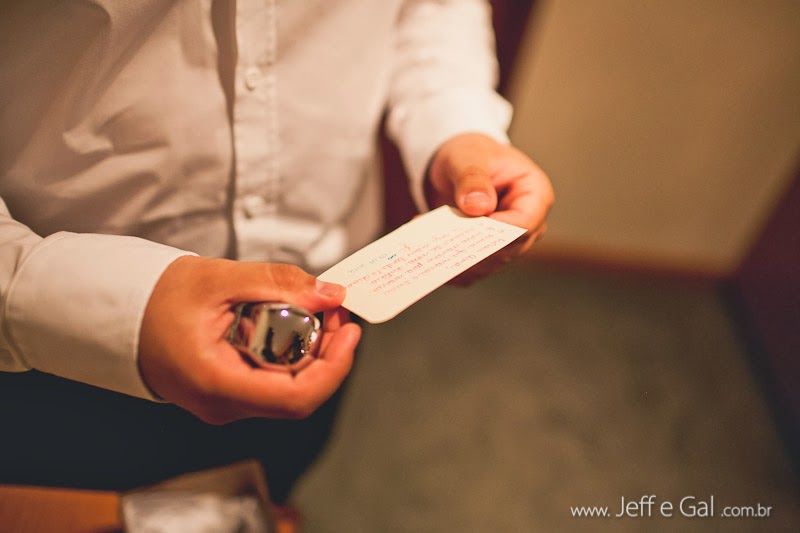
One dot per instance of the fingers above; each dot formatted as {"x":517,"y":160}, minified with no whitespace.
{"x":526,"y":199}
{"x":185,"y":359}
{"x":335,"y":319}
{"x":236,"y":391}
{"x":230,"y":282}
{"x":475,"y":194}
{"x":460,"y":176}
{"x":256,"y":282}
{"x":483,"y":177}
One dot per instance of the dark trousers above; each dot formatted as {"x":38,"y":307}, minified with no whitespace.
{"x":55,"y":432}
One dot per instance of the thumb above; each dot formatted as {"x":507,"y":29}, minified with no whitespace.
{"x":300,"y":288}
{"x":254,"y":282}
{"x":475,"y":194}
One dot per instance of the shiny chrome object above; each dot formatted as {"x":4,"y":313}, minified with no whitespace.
{"x":277,"y":336}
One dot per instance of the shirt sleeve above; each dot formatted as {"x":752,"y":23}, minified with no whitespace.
{"x":72,"y":304}
{"x":443,"y":83}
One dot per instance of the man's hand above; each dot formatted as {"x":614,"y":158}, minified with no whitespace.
{"x":485,"y":178}
{"x":184,"y":356}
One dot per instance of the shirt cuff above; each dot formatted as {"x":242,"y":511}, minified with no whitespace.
{"x":76,"y":305}
{"x":440,"y":117}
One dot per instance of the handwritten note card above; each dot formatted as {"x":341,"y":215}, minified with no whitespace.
{"x":389,"y":275}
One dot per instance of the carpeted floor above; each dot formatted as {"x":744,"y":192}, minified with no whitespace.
{"x":504,"y":406}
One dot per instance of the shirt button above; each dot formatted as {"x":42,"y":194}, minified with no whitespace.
{"x":252,"y":77}
{"x":251,"y":205}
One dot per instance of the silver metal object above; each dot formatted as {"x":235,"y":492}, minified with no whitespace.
{"x":277,"y":336}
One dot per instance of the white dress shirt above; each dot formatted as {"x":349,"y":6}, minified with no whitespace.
{"x":137,"y":131}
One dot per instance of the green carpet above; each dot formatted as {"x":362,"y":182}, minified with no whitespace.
{"x":504,"y":406}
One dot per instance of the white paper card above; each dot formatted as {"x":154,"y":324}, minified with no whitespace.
{"x":388,"y":275}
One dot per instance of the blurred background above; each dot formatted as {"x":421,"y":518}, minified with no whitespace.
{"x":650,"y":343}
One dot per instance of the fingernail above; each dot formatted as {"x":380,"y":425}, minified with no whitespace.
{"x":328,"y":289}
{"x":476,"y":199}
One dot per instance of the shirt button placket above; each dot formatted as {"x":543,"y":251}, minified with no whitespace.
{"x":256,"y":131}
{"x":272,"y":190}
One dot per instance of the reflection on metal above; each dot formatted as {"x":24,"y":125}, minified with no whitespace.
{"x":275,"y":335}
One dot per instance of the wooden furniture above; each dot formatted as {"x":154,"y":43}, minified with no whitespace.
{"x":36,"y":509}
{"x":766,"y":297}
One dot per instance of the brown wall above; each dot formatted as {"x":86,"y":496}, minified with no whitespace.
{"x":668,"y":128}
